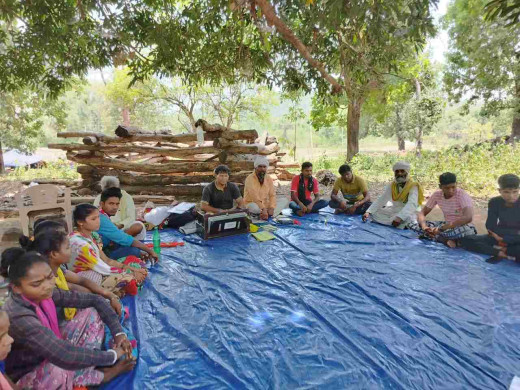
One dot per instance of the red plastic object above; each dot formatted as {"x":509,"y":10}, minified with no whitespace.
{"x":296,"y":222}
{"x":168,"y":244}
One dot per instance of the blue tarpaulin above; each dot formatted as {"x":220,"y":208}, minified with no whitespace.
{"x":13,"y":158}
{"x":331,"y":304}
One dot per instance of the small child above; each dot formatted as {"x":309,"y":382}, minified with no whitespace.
{"x":503,"y":224}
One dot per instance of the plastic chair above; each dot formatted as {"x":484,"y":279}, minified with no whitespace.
{"x":43,"y":197}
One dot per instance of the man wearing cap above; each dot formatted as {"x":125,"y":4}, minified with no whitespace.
{"x":259,"y":192}
{"x":398,"y":204}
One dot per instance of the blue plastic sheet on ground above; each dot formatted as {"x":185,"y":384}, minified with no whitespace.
{"x":331,"y":304}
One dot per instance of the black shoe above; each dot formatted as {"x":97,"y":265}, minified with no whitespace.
{"x":494,"y":260}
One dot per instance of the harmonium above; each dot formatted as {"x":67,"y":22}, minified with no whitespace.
{"x":221,"y":225}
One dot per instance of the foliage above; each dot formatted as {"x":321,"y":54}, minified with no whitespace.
{"x":231,"y":102}
{"x":22,"y":115}
{"x":52,"y":170}
{"x":477,"y":167}
{"x":505,"y":9}
{"x":484,"y":60}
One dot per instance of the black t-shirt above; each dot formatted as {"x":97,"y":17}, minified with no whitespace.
{"x":221,"y":199}
{"x":503,"y":220}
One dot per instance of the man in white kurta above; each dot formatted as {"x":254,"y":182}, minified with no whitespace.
{"x":393,"y":207}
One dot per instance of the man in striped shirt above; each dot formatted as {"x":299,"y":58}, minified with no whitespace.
{"x":457,"y":207}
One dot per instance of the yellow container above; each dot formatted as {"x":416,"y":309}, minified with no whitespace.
{"x":253,"y":228}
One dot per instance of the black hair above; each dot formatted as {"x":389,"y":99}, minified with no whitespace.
{"x":508,"y":181}
{"x":16,"y":262}
{"x":447,"y":178}
{"x":43,"y":225}
{"x":222,"y":169}
{"x":47,"y":242}
{"x":306,"y":165}
{"x":344,"y":169}
{"x":82,"y":211}
{"x":112,"y":192}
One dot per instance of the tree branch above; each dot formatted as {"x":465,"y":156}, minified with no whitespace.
{"x":287,"y":34}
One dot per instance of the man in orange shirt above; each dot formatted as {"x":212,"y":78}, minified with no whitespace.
{"x":259,"y":192}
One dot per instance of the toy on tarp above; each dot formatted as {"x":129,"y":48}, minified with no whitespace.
{"x":285,"y":220}
{"x":167,"y":244}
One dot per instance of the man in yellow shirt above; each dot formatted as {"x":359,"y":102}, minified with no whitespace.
{"x":259,"y":192}
{"x":354,"y":198}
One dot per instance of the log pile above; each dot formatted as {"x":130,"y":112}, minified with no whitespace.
{"x":168,"y":164}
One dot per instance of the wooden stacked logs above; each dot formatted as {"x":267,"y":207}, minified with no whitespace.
{"x":159,"y":162}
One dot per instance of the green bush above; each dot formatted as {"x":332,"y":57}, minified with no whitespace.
{"x":52,"y":170}
{"x":477,"y":167}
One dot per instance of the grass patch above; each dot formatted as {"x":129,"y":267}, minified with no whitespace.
{"x":477,"y":167}
{"x":52,"y":170}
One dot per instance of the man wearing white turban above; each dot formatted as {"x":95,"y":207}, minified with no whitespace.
{"x":259,"y":192}
{"x":398,"y":204}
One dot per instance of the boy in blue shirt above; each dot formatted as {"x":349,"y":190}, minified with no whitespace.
{"x":116,"y":243}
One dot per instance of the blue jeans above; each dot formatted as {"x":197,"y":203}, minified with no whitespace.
{"x":317,"y":206}
{"x":117,"y":251}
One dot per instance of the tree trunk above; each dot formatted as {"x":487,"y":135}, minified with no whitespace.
{"x":126,"y":117}
{"x":419,"y":135}
{"x":312,"y":146}
{"x":165,"y":167}
{"x":248,"y":135}
{"x":2,"y":168}
{"x":400,"y":143}
{"x":295,"y":141}
{"x":515,"y":128}
{"x":353,"y":116}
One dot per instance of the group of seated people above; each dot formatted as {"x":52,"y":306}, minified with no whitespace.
{"x":398,"y":206}
{"x":62,"y":326}
{"x":63,"y":323}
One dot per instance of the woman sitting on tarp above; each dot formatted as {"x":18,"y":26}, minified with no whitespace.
{"x":55,"y":246}
{"x":89,"y":260}
{"x":125,"y":217}
{"x":43,"y":357}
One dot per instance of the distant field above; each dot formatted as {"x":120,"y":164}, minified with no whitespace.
{"x":368,"y":145}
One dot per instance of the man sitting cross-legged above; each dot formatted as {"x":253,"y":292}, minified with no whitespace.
{"x":354,"y":198}
{"x":219,"y":195}
{"x":302,"y":188}
{"x":259,"y":192}
{"x":398,"y":204}
{"x":503,"y":224}
{"x":457,"y":208}
{"x":125,"y":217}
{"x":116,"y":243}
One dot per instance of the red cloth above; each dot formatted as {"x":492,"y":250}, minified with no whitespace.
{"x":295,"y":183}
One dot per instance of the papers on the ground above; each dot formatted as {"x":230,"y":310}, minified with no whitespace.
{"x":181,"y":208}
{"x":263,"y":236}
{"x":287,"y":212}
{"x":269,"y":228}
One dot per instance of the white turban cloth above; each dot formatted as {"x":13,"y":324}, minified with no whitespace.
{"x":261,"y":160}
{"x":402,"y":165}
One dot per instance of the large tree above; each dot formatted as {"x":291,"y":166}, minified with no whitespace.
{"x":21,"y":120}
{"x":483,"y":62}
{"x":335,"y":47}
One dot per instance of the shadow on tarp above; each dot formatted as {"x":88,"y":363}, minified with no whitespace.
{"x":332,"y":304}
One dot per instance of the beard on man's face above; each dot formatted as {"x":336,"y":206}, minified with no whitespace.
{"x":400,"y":179}
{"x":261,"y":175}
